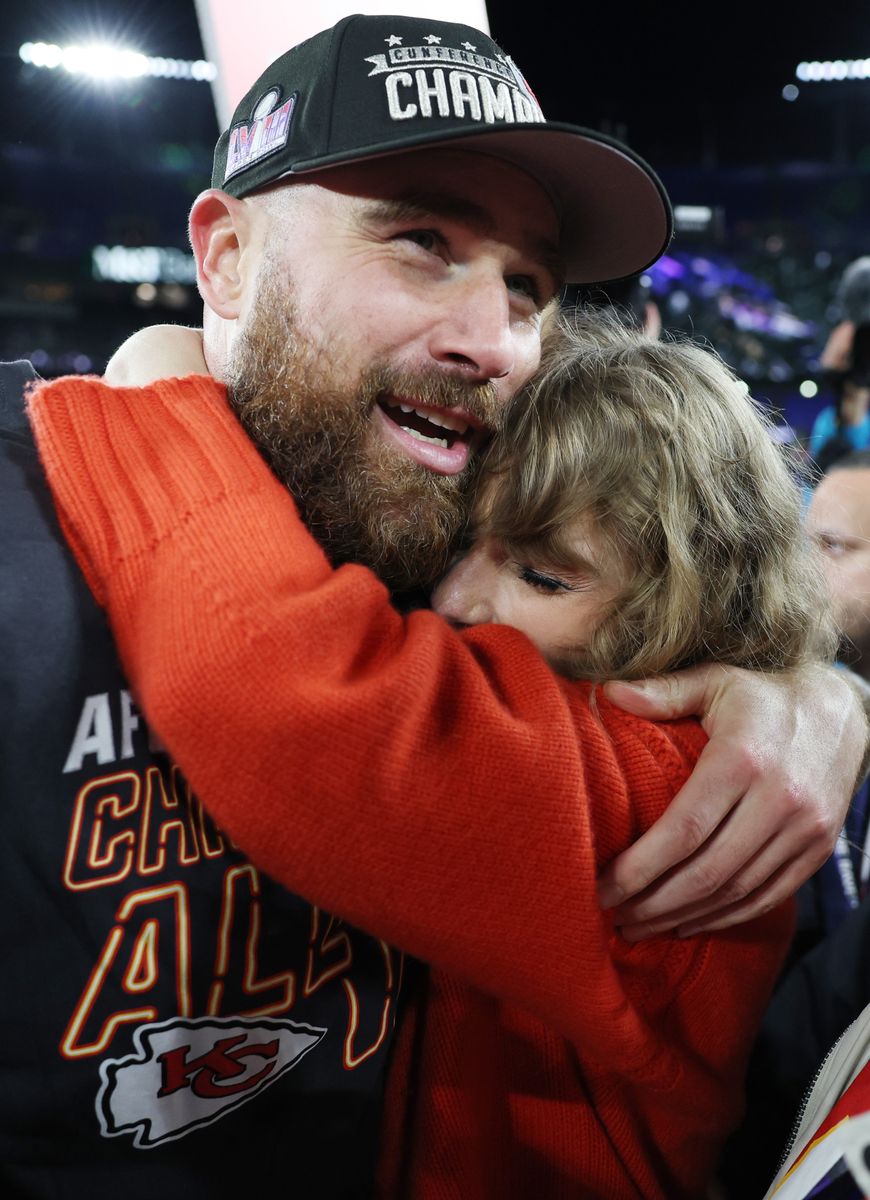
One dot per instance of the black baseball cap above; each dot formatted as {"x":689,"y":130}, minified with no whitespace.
{"x":373,"y":86}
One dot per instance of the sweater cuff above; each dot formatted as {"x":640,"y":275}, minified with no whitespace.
{"x":127,"y":466}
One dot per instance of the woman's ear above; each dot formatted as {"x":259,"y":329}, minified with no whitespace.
{"x":218,"y":229}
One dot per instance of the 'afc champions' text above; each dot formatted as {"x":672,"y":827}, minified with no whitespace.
{"x":139,"y":830}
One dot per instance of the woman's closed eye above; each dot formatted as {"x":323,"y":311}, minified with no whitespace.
{"x":549,"y":585}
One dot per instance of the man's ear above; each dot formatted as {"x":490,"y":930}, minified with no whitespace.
{"x":218,"y":230}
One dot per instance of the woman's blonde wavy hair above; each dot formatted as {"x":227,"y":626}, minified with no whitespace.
{"x":661,"y":446}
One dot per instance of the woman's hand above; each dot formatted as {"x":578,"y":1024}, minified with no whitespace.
{"x":157,"y":352}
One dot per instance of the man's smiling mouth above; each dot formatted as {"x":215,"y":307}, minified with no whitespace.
{"x":441,"y":440}
{"x":437,"y":427}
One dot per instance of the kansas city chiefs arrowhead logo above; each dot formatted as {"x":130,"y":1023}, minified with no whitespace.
{"x":188,"y":1073}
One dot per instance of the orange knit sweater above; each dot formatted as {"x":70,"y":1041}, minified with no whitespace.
{"x":445,"y":792}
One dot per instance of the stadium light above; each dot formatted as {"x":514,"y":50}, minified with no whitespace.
{"x":694,"y":218}
{"x":833,"y":72}
{"x":142,"y":264}
{"x":104,"y":62}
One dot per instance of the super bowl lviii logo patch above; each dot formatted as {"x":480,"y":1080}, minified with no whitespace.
{"x":266,"y":132}
{"x":433,"y":80}
{"x":187,"y":1073}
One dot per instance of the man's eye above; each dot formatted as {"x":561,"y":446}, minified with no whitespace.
{"x":426,"y":239}
{"x":548,"y":584}
{"x":525,"y":285}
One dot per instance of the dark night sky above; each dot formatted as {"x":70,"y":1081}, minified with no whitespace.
{"x":683,"y":83}
{"x":688,"y":86}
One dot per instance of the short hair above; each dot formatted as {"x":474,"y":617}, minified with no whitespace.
{"x":662,"y":447}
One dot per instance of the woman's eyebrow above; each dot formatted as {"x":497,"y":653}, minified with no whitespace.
{"x":579,"y":565}
{"x":566,"y":561}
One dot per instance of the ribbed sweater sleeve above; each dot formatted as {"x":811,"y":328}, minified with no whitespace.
{"x":447,"y":793}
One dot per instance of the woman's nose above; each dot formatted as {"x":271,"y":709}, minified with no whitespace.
{"x":465,"y":594}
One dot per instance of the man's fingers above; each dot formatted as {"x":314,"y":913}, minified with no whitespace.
{"x":760,"y":812}
{"x":758,"y":887}
{"x":673,"y":839}
{"x":779,"y":888}
{"x":702,"y":919}
{"x":698,"y":810}
{"x":681,"y":695}
{"x":715,"y":884}
{"x":689,"y":923}
{"x":773,"y":876}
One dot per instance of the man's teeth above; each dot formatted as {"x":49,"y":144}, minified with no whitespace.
{"x":444,"y":420}
{"x":421,"y":437}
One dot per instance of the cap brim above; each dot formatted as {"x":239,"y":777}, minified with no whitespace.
{"x":616,"y":217}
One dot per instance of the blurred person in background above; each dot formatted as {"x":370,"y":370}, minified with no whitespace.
{"x":839,"y":519}
{"x":845,"y":426}
{"x":852,"y":301}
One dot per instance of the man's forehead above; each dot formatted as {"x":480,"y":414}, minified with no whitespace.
{"x":853,"y":482}
{"x":496,"y":198}
{"x":842,"y":499}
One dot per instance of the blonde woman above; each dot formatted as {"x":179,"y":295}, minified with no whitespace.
{"x":633,"y":517}
{"x":642,"y":473}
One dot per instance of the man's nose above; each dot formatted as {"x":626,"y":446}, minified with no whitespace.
{"x":474,"y":332}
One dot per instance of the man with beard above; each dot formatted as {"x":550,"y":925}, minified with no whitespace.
{"x":389,"y":220}
{"x":839,"y":518}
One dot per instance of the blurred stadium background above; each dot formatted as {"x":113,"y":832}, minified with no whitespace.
{"x":756,"y":116}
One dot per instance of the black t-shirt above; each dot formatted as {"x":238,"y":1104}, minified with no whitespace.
{"x":173,"y":1023}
